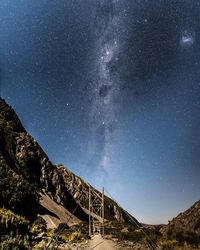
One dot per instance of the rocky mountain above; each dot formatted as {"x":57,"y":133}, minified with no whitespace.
{"x":30,"y":184}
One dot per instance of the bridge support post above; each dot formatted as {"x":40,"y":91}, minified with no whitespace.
{"x":96,"y":212}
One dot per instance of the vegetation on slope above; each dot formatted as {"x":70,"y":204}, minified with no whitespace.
{"x":14,"y":231}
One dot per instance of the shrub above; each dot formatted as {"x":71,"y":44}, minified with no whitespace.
{"x":15,"y":243}
{"x":75,"y":233}
{"x":14,"y":231}
{"x":183,"y":236}
{"x":16,"y":192}
{"x":10,"y":222}
{"x":38,"y":226}
{"x":168,"y":244}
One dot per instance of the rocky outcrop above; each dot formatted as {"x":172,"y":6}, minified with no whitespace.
{"x":80,"y":191}
{"x":29,"y":177}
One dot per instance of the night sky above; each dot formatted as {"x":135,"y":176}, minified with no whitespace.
{"x":111,"y":89}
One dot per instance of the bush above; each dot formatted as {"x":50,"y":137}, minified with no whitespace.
{"x":15,"y":243}
{"x":183,"y":236}
{"x":14,"y":231}
{"x":38,"y":226}
{"x":75,"y":233}
{"x":168,"y":244}
{"x":16,"y":192}
{"x":10,"y":222}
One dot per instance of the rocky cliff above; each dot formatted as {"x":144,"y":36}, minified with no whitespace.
{"x":80,"y":191}
{"x":32,"y":185}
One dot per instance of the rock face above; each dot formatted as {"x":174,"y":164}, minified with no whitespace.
{"x":31,"y":184}
{"x":80,"y":191}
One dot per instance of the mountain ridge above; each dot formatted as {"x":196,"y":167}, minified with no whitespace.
{"x":24,"y":158}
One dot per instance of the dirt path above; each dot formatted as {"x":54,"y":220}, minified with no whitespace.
{"x":98,"y":243}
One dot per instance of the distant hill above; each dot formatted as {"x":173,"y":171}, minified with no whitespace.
{"x":32,"y":185}
{"x":188,"y":220}
{"x":184,"y":230}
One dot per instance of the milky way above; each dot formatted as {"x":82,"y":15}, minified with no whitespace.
{"x":111,"y":87}
{"x":106,"y":86}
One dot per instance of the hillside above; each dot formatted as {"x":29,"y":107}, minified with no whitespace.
{"x":188,"y":220}
{"x":183,"y":230}
{"x":28,"y":177}
{"x":26,"y":171}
